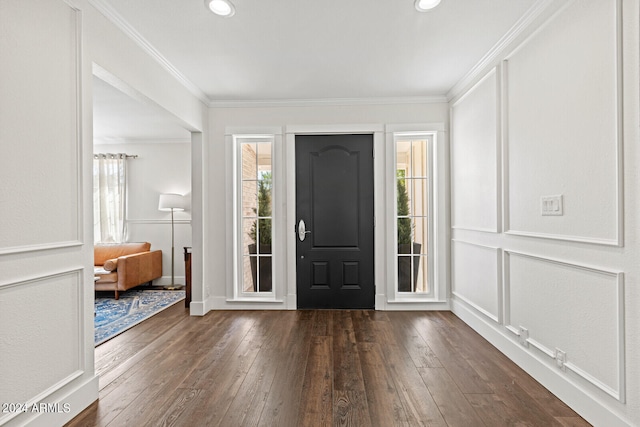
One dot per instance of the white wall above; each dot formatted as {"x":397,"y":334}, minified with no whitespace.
{"x":46,"y":332}
{"x":555,"y":115}
{"x":46,"y":238}
{"x":219,"y":180}
{"x":161,"y":167}
{"x":43,"y":321}
{"x":475,"y":124}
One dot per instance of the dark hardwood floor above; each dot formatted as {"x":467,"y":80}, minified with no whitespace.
{"x":313,"y":368}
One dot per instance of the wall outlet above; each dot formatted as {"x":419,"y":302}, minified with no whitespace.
{"x":551,"y":205}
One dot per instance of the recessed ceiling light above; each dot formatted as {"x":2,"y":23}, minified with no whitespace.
{"x":221,"y":7}
{"x":426,"y":5}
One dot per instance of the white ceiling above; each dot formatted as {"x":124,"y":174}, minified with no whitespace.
{"x":275,"y":50}
{"x":119,"y":118}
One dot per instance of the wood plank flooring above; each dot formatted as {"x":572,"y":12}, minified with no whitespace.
{"x":313,"y":368}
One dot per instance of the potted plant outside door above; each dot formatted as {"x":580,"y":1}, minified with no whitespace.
{"x":406,"y":281}
{"x":261,"y":228}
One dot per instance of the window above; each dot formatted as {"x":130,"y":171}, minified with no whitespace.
{"x":254,"y":223}
{"x":109,"y":197}
{"x":413,"y":212}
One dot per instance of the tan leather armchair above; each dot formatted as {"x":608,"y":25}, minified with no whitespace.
{"x":122,"y":266}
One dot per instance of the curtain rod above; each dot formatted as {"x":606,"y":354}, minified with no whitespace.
{"x":132,"y":156}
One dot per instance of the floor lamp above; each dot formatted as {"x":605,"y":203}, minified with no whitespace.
{"x":171,"y":202}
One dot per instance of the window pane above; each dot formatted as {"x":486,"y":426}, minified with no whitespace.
{"x":420,"y":225}
{"x":264,"y":157}
{"x":248,"y":265}
{"x":405,"y":281}
{"x":422,"y":283}
{"x":249,"y":235}
{"x":249,"y":198}
{"x":402,"y":196}
{"x":264,"y":276}
{"x":264,"y":196}
{"x":403,"y":156}
{"x":412,"y":273}
{"x":410,"y":195}
{"x":404,"y":235}
{"x":419,"y":197}
{"x":264,"y":235}
{"x":249,"y":161}
{"x":419,"y":158}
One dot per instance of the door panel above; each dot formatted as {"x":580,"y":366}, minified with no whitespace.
{"x":334,"y":213}
{"x":334,"y":195}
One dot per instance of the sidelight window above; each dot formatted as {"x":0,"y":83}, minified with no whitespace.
{"x":254,"y":231}
{"x":413,"y":212}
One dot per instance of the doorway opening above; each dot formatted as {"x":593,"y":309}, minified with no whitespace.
{"x":154,"y":152}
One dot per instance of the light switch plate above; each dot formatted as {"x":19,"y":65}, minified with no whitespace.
{"x":551,"y":205}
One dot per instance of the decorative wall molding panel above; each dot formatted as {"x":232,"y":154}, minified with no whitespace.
{"x":48,"y":352}
{"x":39,"y":247}
{"x":476,"y":277}
{"x":476,"y":157}
{"x":543,"y":81}
{"x":478,"y":229}
{"x":540,"y":11}
{"x":34,"y":206}
{"x":560,"y":96}
{"x":536,"y":291}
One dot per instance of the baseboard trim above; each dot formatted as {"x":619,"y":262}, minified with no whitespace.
{"x":223,"y":303}
{"x":77,"y":400}
{"x":591,"y":409}
{"x":292,"y":301}
{"x":198,"y":308}
{"x":404,"y":305}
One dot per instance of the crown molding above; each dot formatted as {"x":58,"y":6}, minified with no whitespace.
{"x":118,"y":140}
{"x":116,"y":19}
{"x":542,"y":9}
{"x":332,"y":102}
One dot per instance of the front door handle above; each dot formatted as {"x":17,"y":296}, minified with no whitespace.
{"x":302,"y":230}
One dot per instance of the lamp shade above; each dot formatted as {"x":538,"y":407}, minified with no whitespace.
{"x":171,"y":201}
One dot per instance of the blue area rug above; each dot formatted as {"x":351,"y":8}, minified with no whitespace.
{"x":116,"y":316}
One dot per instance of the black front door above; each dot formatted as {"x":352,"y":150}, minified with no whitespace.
{"x":334,"y":196}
